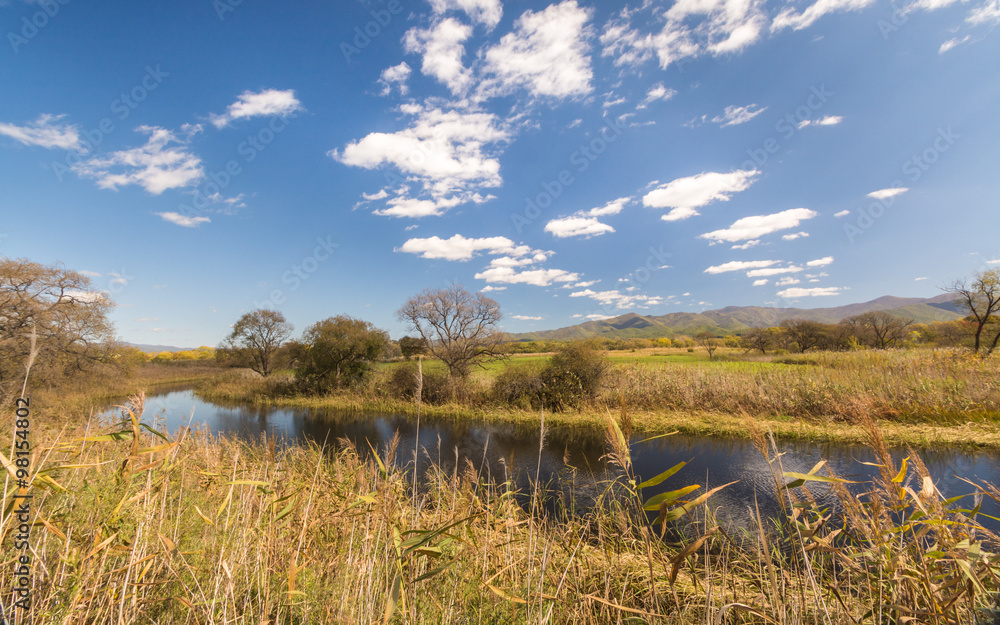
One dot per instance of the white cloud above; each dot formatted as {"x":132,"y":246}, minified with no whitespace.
{"x":656,"y":92}
{"x":45,"y":132}
{"x":487,"y":12}
{"x":814,"y":292}
{"x":828,"y":120}
{"x":747,"y":245}
{"x":988,"y":13}
{"x":536,"y":277}
{"x":611,"y":103}
{"x":577,"y":227}
{"x":690,"y":28}
{"x":611,"y":208}
{"x":598,"y":317}
{"x":761,"y":282}
{"x":759,"y":225}
{"x":952,"y":43}
{"x":794,"y":235}
{"x":789,"y":18}
{"x":442,"y":49}
{"x":773,"y":271}
{"x":459,"y":247}
{"x":920,"y":278}
{"x":163,"y":163}
{"x":740,"y":265}
{"x":491,"y":288}
{"x":820,"y":262}
{"x":526,"y":318}
{"x":736,"y":115}
{"x":395,"y":75}
{"x":993,"y":262}
{"x":618,"y":299}
{"x":269,"y":102}
{"x":843,"y":213}
{"x":547,"y":54}
{"x":883,"y":194}
{"x":445,"y":151}
{"x":684,"y":195}
{"x":787,"y":281}
{"x":184,"y":220}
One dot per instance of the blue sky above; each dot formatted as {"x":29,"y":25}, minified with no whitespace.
{"x":575,"y":160}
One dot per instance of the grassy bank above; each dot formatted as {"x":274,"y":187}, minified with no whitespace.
{"x":132,"y":528}
{"x":918,"y":398}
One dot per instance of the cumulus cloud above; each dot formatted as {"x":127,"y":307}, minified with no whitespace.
{"x":773,"y":271}
{"x":618,"y":299}
{"x":536,"y":277}
{"x":820,"y":262}
{"x":459,"y":247}
{"x":546,"y":54}
{"x":794,"y":235}
{"x":487,"y":12}
{"x":884,"y":194}
{"x":741,"y":265}
{"x":759,"y":225}
{"x":685,"y":195}
{"x":491,"y":288}
{"x":269,"y":102}
{"x":447,"y":152}
{"x":761,"y":282}
{"x":163,"y":163}
{"x":787,"y":281}
{"x":689,"y":29}
{"x":813,"y":292}
{"x":395,"y":75}
{"x":184,"y":220}
{"x":46,"y":132}
{"x":843,"y":213}
{"x":442,"y":47}
{"x":585,"y":223}
{"x":747,"y":245}
{"x":564,"y":227}
{"x":736,"y":115}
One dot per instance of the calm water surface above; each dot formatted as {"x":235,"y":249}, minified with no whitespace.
{"x":571,"y":461}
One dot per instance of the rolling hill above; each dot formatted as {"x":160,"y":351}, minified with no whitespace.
{"x":737,"y":318}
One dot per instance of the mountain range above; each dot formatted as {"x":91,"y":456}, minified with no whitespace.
{"x":737,"y":318}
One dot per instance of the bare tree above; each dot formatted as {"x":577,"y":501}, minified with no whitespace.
{"x":981,"y":297}
{"x":68,"y":318}
{"x":878,"y":328}
{"x":255,"y":339}
{"x":709,"y":342}
{"x":459,"y":328}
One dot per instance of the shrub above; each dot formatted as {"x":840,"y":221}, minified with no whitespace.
{"x":573,"y":375}
{"x":520,"y":387}
{"x":435,"y":387}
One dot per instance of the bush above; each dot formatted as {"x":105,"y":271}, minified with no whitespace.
{"x":436,"y":388}
{"x":573,"y":375}
{"x":520,"y":387}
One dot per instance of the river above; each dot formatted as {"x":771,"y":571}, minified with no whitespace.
{"x":572,"y":460}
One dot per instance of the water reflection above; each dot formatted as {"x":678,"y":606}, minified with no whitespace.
{"x":570,"y":457}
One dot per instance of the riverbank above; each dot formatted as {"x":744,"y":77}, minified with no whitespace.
{"x":982,"y":434}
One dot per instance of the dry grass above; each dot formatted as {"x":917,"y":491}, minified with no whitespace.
{"x":132,"y":528}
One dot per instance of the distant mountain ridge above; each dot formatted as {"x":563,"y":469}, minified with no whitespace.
{"x":737,"y":318}
{"x":161,"y":348}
